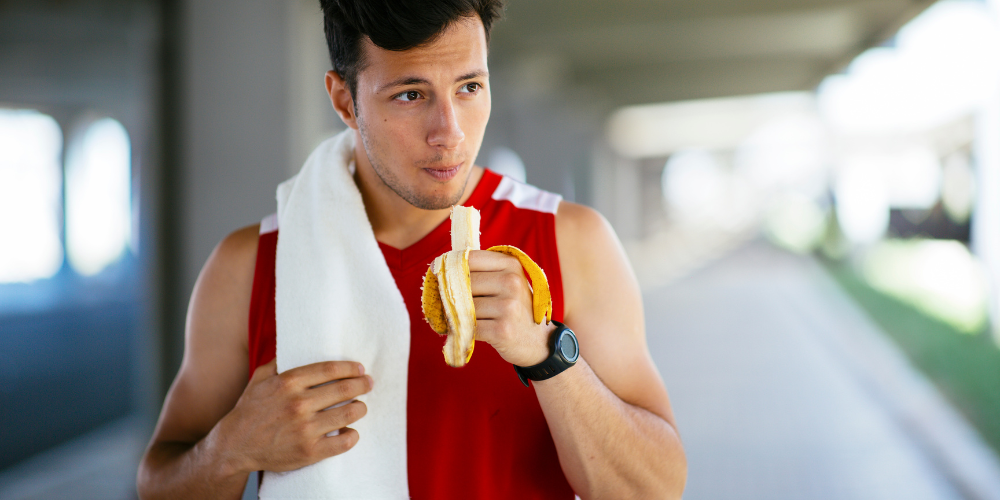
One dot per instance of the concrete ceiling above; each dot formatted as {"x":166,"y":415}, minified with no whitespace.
{"x":622,"y":52}
{"x":643,"y":51}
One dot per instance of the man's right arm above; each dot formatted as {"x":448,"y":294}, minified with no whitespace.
{"x":215,"y":428}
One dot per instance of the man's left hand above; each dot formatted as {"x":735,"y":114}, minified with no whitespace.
{"x":504,"y":317}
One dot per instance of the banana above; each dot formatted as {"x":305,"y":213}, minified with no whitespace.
{"x":464,"y":228}
{"x":446,"y":297}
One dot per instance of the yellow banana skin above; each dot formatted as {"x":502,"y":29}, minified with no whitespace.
{"x":430,"y":302}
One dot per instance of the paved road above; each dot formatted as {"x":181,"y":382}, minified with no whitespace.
{"x":765,"y":408}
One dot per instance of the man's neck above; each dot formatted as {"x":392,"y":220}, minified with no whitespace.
{"x":394,"y":220}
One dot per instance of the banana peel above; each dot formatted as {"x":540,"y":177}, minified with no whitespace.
{"x":446,"y":297}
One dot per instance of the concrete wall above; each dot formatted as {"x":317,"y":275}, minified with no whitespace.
{"x":235,"y":120}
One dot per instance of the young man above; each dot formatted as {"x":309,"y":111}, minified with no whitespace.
{"x":412,"y":84}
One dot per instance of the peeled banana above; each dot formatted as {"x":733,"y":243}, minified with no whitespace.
{"x":446,"y":297}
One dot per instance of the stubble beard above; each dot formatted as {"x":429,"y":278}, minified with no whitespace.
{"x":388,"y":177}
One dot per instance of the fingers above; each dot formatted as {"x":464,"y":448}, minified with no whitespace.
{"x":327,"y":395}
{"x":320,"y":373}
{"x":496,"y":283}
{"x":499,"y":307}
{"x":340,"y":417}
{"x":484,"y":260}
{"x":490,"y":330}
{"x":335,"y":445}
{"x":489,"y":283}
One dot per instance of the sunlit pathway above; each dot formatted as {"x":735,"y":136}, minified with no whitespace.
{"x":767,"y":406}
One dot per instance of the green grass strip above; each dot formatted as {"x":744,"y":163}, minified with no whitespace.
{"x":966,"y":368}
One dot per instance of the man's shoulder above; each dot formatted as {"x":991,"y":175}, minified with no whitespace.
{"x":221,"y":298}
{"x":590,"y":255}
{"x":230,"y":268}
{"x":239,"y":248}
{"x":576,"y":223}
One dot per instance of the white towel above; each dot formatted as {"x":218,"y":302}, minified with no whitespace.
{"x":335,"y":299}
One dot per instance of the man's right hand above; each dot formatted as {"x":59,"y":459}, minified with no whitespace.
{"x":281,"y":421}
{"x":215,"y":428}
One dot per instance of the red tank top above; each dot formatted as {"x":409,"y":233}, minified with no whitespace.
{"x":473,"y":432}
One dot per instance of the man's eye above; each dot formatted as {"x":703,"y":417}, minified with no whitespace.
{"x":411,"y":95}
{"x":470,"y":88}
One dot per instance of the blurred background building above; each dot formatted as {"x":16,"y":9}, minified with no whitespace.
{"x":809,"y":193}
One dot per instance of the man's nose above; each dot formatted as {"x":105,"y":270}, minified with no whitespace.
{"x":445,"y":131}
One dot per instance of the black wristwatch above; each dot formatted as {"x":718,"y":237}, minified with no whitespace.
{"x":565,"y":350}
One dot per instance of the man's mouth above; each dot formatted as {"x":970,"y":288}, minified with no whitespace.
{"x":444,"y":174}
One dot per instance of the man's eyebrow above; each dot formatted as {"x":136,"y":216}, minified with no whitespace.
{"x":475,"y":74}
{"x":413,"y":80}
{"x":406,"y":80}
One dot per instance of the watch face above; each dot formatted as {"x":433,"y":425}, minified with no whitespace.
{"x":568,"y":346}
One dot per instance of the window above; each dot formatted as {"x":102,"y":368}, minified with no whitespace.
{"x":98,"y":197}
{"x":30,"y":196}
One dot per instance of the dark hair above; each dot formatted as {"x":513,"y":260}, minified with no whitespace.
{"x":392,"y":25}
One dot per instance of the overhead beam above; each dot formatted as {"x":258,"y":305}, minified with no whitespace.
{"x":699,"y":79}
{"x":644,"y":51}
{"x":816,"y":32}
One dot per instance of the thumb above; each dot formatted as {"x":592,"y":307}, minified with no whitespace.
{"x":265,"y":371}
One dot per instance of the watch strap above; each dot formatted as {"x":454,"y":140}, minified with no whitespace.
{"x":552,"y":366}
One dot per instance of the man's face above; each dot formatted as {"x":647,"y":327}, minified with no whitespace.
{"x":422,"y":113}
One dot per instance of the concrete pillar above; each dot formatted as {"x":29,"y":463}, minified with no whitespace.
{"x":311,"y":118}
{"x":627,"y":219}
{"x":253,"y":106}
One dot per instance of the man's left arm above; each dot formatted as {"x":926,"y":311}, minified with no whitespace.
{"x":609,"y":415}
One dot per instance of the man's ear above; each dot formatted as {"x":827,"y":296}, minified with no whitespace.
{"x":340,"y":97}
